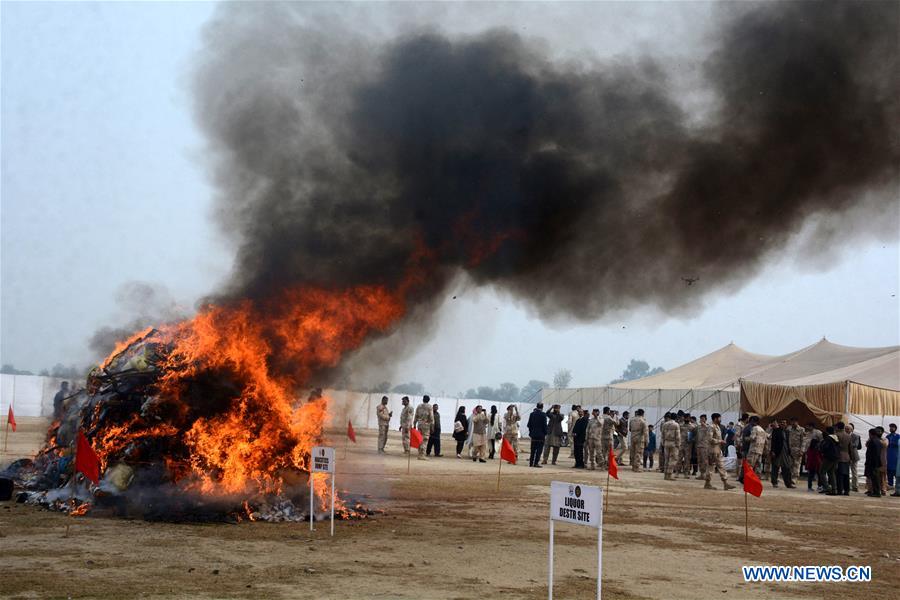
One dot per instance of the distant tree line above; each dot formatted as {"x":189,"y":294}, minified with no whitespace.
{"x":58,"y":370}
{"x":505,"y":392}
{"x":637,"y":369}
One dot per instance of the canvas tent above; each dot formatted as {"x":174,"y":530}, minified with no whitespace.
{"x":828,"y":383}
{"x":708,"y":384}
{"x":829,"y":380}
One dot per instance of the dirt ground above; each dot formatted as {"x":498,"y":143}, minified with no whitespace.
{"x":446,"y":532}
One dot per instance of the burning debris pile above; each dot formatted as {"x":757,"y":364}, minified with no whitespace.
{"x":200,"y":420}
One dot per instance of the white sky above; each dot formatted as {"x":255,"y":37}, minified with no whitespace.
{"x":103,"y":182}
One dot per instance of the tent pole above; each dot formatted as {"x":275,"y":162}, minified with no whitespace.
{"x":847,"y":400}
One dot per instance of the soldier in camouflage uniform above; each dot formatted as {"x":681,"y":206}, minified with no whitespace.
{"x":702,"y":435}
{"x":406,"y":419}
{"x":384,"y":423}
{"x":758,"y":441}
{"x":765,"y":465}
{"x":640,"y":435}
{"x":511,"y":427}
{"x":671,"y":439}
{"x":795,"y":435}
{"x":593,"y":441}
{"x":606,"y":435}
{"x":712,"y":455}
{"x":685,"y":446}
{"x":424,"y":422}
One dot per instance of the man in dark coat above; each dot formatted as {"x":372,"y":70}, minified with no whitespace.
{"x":537,"y":431}
{"x":873,"y":463}
{"x":780,"y":454}
{"x":58,"y":399}
{"x":843,"y":466}
{"x":579,"y":435}
{"x":434,"y":439}
{"x":554,"y":433}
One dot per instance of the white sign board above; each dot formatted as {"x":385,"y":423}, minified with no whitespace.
{"x":322,"y":459}
{"x":581,"y":505}
{"x":575,"y":503}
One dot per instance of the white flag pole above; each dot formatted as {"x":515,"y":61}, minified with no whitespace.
{"x":550,"y":568}
{"x":332,"y":505}
{"x":311,"y":493}
{"x":600,"y":550}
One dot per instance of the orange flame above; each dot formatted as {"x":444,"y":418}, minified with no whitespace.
{"x":123,"y":345}
{"x":265,"y":351}
{"x":81,"y":509}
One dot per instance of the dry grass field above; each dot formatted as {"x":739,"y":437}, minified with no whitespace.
{"x":446,"y":532}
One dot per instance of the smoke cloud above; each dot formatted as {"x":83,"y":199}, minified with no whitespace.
{"x":579,"y":188}
{"x":140,"y":305}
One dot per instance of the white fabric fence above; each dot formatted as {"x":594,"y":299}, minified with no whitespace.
{"x":359,"y":408}
{"x":654,"y":402}
{"x":30,"y":395}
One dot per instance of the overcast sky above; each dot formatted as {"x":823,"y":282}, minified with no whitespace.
{"x":104,"y":182}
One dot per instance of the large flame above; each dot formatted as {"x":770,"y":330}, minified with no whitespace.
{"x":228,"y":390}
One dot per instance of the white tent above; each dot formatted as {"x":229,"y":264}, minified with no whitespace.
{"x":719,"y":370}
{"x":828,"y":382}
{"x":860,"y":382}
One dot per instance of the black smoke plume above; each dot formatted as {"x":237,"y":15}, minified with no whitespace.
{"x":580,"y":188}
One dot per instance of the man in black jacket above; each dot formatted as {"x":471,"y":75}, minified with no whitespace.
{"x":59,"y":398}
{"x":843,"y":466}
{"x":579,"y":434}
{"x":553,"y":440}
{"x":781,"y":454}
{"x":434,"y":439}
{"x":537,"y":431}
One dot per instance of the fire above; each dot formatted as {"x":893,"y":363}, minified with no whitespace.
{"x":224,"y":401}
{"x":122,"y":345}
{"x":208,"y":416}
{"x":80,"y":509}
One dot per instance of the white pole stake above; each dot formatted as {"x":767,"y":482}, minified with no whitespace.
{"x":550,"y":568}
{"x":311,"y":490}
{"x":600,"y":551}
{"x":332,"y":505}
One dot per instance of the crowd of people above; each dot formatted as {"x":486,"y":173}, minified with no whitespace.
{"x":686,"y":445}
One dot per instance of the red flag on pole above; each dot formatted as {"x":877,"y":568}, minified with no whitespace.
{"x":11,"y":418}
{"x":506,"y":452}
{"x":613,"y":467}
{"x":86,"y":459}
{"x":752,"y":484}
{"x":415,"y":438}
{"x":350,"y":433}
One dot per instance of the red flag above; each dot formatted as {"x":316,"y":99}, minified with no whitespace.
{"x":415,"y":438}
{"x":350,"y":433}
{"x":506,"y":452}
{"x":752,"y":484}
{"x":11,"y":418}
{"x":613,"y":467}
{"x":86,"y":459}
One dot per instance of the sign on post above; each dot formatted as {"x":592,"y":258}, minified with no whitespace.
{"x":322,"y":459}
{"x":580,"y":505}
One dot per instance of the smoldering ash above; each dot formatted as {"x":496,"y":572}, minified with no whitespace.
{"x":580,"y":188}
